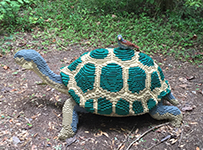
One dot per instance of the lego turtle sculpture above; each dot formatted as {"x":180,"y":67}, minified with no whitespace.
{"x":108,"y":81}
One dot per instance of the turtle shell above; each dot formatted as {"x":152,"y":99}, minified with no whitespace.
{"x":115,"y":82}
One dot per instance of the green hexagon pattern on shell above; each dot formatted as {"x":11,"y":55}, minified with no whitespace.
{"x":111,"y":78}
{"x":115,"y":82}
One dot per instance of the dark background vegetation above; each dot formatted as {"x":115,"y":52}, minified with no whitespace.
{"x":172,"y":27}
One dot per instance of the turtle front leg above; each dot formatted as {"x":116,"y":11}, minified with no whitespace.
{"x":172,"y":113}
{"x":70,"y":120}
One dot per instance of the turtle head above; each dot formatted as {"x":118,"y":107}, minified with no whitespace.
{"x":27,"y":58}
{"x":120,"y":38}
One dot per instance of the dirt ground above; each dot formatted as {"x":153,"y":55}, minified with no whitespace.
{"x":31,"y":113}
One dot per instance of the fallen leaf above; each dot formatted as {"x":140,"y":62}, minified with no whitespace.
{"x":57,"y":98}
{"x":6,"y":67}
{"x":47,"y":20}
{"x":35,"y":116}
{"x":194,"y":37}
{"x":101,"y":133}
{"x":21,"y":91}
{"x":137,"y":135}
{"x":161,"y":130}
{"x":113,"y":16}
{"x":4,"y":139}
{"x":193,"y":123}
{"x":48,"y":89}
{"x":181,"y":146}
{"x":35,"y":134}
{"x":123,"y":129}
{"x":104,"y":133}
{"x":136,"y":143}
{"x":23,"y":135}
{"x":21,"y":44}
{"x":82,"y":138}
{"x":28,"y":140}
{"x":51,"y":126}
{"x":173,"y":141}
{"x":87,"y":42}
{"x":54,"y":40}
{"x":98,"y":134}
{"x":122,"y":147}
{"x":178,"y":132}
{"x":82,"y":143}
{"x":136,"y":131}
{"x":188,"y":108}
{"x":34,"y":147}
{"x":183,"y":85}
{"x":183,"y":80}
{"x":13,"y":90}
{"x":190,"y":77}
{"x":200,"y":91}
{"x":49,"y":144}
{"x":27,"y":127}
{"x":72,"y":6}
{"x":197,"y":148}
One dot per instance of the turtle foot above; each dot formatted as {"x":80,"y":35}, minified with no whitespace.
{"x":171,"y":113}
{"x":66,"y":132}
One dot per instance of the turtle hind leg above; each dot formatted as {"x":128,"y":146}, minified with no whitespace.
{"x":70,"y":120}
{"x":169,"y":97}
{"x":171,"y":113}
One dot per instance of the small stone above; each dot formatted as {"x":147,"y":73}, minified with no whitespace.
{"x":15,"y":140}
{"x":194,"y":92}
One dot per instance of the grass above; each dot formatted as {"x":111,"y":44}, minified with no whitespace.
{"x":90,"y":24}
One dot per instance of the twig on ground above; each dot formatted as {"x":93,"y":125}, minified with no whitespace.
{"x":155,"y":127}
{"x":26,"y":142}
{"x":181,"y":136}
{"x":57,"y":115}
{"x":61,"y":45}
{"x":126,"y":138}
{"x":164,"y":139}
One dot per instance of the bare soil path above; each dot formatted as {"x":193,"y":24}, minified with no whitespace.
{"x":31,"y":116}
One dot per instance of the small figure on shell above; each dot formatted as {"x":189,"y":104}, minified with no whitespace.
{"x":124,"y":44}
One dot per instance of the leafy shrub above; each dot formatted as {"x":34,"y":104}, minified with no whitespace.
{"x":194,"y":3}
{"x":9,"y":11}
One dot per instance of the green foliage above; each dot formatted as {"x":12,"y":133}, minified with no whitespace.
{"x":96,"y":23}
{"x":10,"y":11}
{"x":195,"y":3}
